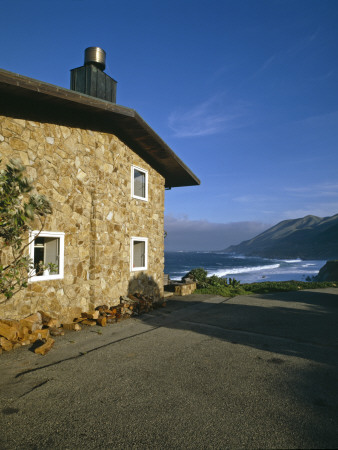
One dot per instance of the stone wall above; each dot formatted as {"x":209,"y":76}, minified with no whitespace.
{"x":185,"y":289}
{"x":87,"y":177}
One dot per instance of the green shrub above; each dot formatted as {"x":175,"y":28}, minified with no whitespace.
{"x":233,"y":282}
{"x":224,"y":291}
{"x":19,"y":210}
{"x":198,"y":274}
{"x":214,"y":280}
{"x":285,"y":286}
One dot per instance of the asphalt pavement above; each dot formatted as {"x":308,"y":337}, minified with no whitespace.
{"x":204,"y":372}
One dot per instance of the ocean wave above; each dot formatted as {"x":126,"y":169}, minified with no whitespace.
{"x":223,"y":272}
{"x":244,"y":268}
{"x":300,"y":271}
{"x":291,"y":261}
{"x":236,"y":256}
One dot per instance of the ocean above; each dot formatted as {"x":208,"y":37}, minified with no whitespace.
{"x":246,"y":269}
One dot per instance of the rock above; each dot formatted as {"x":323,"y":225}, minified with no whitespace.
{"x":329,"y":272}
{"x":187,"y":279}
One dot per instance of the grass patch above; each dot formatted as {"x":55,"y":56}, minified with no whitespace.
{"x":225,"y":291}
{"x":285,"y":286}
{"x":265,"y":287}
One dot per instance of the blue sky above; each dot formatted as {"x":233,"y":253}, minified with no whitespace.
{"x":244,"y":91}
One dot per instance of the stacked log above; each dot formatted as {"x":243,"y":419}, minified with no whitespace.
{"x":131,"y":305}
{"x":39,"y":327}
{"x":34,"y":329}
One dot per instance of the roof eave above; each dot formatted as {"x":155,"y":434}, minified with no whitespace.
{"x":36,"y":99}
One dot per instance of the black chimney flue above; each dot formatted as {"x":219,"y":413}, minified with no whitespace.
{"x":90,"y":78}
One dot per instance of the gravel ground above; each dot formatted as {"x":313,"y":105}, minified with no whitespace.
{"x":205,"y":372}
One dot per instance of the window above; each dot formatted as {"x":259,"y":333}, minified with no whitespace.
{"x":47,"y":255}
{"x":139,"y":253}
{"x":139,"y":183}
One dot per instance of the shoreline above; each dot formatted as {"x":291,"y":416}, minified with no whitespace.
{"x":246,"y":269}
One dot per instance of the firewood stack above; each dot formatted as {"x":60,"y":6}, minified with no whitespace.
{"x":131,"y":305}
{"x":34,"y":329}
{"x":39,"y":327}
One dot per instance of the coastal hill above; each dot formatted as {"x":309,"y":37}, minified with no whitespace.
{"x":329,"y":272}
{"x":310,"y":237}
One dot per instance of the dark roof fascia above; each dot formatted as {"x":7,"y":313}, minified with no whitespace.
{"x":29,"y":98}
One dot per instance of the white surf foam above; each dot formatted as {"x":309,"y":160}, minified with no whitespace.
{"x":224,"y":272}
{"x":291,"y":261}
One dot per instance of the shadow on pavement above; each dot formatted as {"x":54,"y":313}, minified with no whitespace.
{"x":302,"y":324}
{"x":264,"y":375}
{"x":296,"y":335}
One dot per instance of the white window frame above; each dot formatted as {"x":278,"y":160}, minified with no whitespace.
{"x":133,"y":168}
{"x":50,"y":234}
{"x":132,"y":240}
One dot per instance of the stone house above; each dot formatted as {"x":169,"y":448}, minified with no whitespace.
{"x":105,"y":172}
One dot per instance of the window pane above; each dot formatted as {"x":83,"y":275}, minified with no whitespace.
{"x":39,"y":242}
{"x":139,"y":254}
{"x":39,"y":256}
{"x":46,"y":251}
{"x":52,"y":253}
{"x":139,"y":183}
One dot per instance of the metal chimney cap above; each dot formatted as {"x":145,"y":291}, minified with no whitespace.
{"x":96,"y":56}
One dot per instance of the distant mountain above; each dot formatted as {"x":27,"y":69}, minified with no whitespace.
{"x":310,"y":237}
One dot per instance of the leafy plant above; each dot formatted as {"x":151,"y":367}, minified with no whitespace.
{"x":198,"y":274}
{"x":285,"y":286}
{"x":214,"y":284}
{"x":19,"y":208}
{"x":214,"y":280}
{"x":233,"y":282}
{"x":41,"y":267}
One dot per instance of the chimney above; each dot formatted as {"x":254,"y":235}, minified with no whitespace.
{"x":90,"y":79}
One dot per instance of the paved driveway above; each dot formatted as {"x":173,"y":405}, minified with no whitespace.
{"x":205,"y":372}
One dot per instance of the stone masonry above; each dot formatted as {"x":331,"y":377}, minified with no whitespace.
{"x":87,"y":177}
{"x":185,"y":289}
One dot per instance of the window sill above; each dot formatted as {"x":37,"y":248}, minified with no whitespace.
{"x":45,"y":278}
{"x":144,"y":199}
